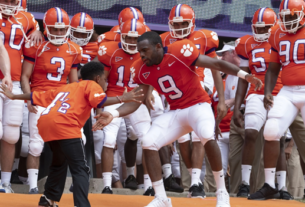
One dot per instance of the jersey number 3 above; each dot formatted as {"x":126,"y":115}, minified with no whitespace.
{"x":60,"y":69}
{"x":172,"y":87}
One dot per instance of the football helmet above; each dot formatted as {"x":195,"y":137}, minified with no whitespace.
{"x":57,"y":18}
{"x":131,"y":28}
{"x":147,"y":28}
{"x":291,"y":7}
{"x":130,"y":13}
{"x":22,"y":6}
{"x":116,"y":29}
{"x":181,"y":13}
{"x":81,"y":23}
{"x":9,"y":10}
{"x":263,"y":17}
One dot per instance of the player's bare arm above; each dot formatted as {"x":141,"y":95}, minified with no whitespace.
{"x":270,"y":81}
{"x":133,"y":96}
{"x":27,"y":69}
{"x":5,"y":65}
{"x":6,"y":91}
{"x":241,"y":92}
{"x":228,"y":68}
{"x":73,"y":76}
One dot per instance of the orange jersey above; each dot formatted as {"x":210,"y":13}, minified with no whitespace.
{"x":225,"y":122}
{"x":67,"y":109}
{"x":89,"y":52}
{"x":52,"y":64}
{"x":117,"y":62}
{"x":12,"y":35}
{"x":258,"y":55}
{"x":175,"y":76}
{"x":289,"y":50}
{"x":109,"y":37}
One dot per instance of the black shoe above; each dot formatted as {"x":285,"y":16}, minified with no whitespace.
{"x":170,"y":184}
{"x":243,"y":190}
{"x":71,"y":188}
{"x":46,"y":202}
{"x":107,"y":190}
{"x":131,"y":183}
{"x":285,"y":195}
{"x":266,"y":192}
{"x":149,"y":192}
{"x":15,"y":178}
{"x":196,"y":191}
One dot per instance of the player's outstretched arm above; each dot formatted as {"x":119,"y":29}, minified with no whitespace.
{"x":134,"y":95}
{"x":6,"y":91}
{"x":5,"y":65}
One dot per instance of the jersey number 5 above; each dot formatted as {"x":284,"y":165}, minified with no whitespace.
{"x":64,"y":106}
{"x":171,"y":88}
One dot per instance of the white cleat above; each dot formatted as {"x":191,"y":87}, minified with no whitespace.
{"x":160,"y":202}
{"x":223,"y":198}
{"x":6,"y":188}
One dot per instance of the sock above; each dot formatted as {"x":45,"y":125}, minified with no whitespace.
{"x":130,"y":171}
{"x":190,"y":171}
{"x":6,"y":177}
{"x":107,"y":178}
{"x":167,"y":170}
{"x":159,"y":189}
{"x":270,"y":176}
{"x":16,"y":164}
{"x":245,"y":173}
{"x":24,"y":180}
{"x":141,"y":186}
{"x":220,"y":180}
{"x":195,"y":176}
{"x":281,"y":179}
{"x":147,"y":182}
{"x":33,"y":178}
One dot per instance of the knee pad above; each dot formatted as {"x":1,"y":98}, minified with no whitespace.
{"x":195,"y":137}
{"x":35,"y":148}
{"x":131,"y":134}
{"x":206,"y":134}
{"x":272,"y":131}
{"x":25,"y":145}
{"x":11,"y":134}
{"x":149,"y":143}
{"x":139,"y":154}
{"x":110,"y":140}
{"x":140,"y":129}
{"x":253,"y":121}
{"x":184,"y":138}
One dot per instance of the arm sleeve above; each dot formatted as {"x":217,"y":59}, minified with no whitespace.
{"x":78,"y":58}
{"x":186,"y":51}
{"x":212,"y":44}
{"x":95,"y":95}
{"x":29,"y":53}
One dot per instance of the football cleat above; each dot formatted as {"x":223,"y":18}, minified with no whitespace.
{"x":160,"y":202}
{"x":44,"y":201}
{"x":6,"y":188}
{"x":196,"y":191}
{"x":149,"y":192}
{"x":170,"y":184}
{"x":131,"y":183}
{"x":34,"y":191}
{"x":223,"y":198}
{"x":243,"y":190}
{"x":266,"y":192}
{"x":107,"y":190}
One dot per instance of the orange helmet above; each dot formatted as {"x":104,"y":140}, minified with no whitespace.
{"x":116,"y":29}
{"x":147,"y":28}
{"x":9,"y":10}
{"x":181,"y":13}
{"x":291,"y":7}
{"x":263,"y":17}
{"x":131,"y":28}
{"x":82,"y":23}
{"x":130,"y":13}
{"x":22,"y":6}
{"x":57,"y":18}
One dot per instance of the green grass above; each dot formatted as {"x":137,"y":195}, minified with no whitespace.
{"x":303,"y":201}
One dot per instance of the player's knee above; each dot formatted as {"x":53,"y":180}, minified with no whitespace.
{"x":110,"y":140}
{"x":131,"y":134}
{"x":150,"y":143}
{"x":206,"y":134}
{"x":11,"y":133}
{"x":25,"y":145}
{"x":35,"y":148}
{"x":184,"y":138}
{"x":272,"y":130}
{"x":253,"y":121}
{"x":142,"y":129}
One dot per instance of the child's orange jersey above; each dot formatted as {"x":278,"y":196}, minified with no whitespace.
{"x":225,"y":122}
{"x":117,"y":62}
{"x":109,"y":37}
{"x":67,"y":109}
{"x":289,"y":50}
{"x":12,"y":35}
{"x":258,"y":56}
{"x":206,"y":42}
{"x":175,"y":76}
{"x":52,"y":64}
{"x":89,"y":52}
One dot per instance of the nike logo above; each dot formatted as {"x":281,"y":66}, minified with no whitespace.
{"x":221,"y":176}
{"x":170,"y":64}
{"x":99,"y":94}
{"x":197,"y":38}
{"x":87,"y":51}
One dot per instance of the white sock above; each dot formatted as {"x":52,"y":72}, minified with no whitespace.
{"x":107,"y":178}
{"x":190,"y":171}
{"x":195,"y":176}
{"x":159,"y":189}
{"x":33,"y":178}
{"x":167,"y":170}
{"x":141,"y":186}
{"x":24,"y":180}
{"x":220,"y":180}
{"x":281,"y":179}
{"x":130,"y":171}
{"x":245,"y":173}
{"x":16,"y":164}
{"x":270,"y":176}
{"x":6,"y":177}
{"x":147,"y":182}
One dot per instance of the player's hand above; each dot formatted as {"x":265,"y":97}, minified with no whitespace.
{"x":6,"y":91}
{"x":222,"y":111}
{"x":36,"y":38}
{"x":217,"y":130}
{"x":238,"y":118}
{"x":102,"y":120}
{"x":31,"y":108}
{"x":132,"y":96}
{"x":288,"y":151}
{"x":268,"y":101}
{"x":230,"y":102}
{"x":149,"y":101}
{"x":255,"y":81}
{"x":7,"y":80}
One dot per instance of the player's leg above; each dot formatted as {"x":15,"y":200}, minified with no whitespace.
{"x":36,"y":144}
{"x":116,"y":182}
{"x":223,"y":144}
{"x":175,"y":162}
{"x":98,"y":138}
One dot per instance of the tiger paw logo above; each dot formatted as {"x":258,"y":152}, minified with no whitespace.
{"x":187,"y":50}
{"x":102,"y":50}
{"x":101,"y":37}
